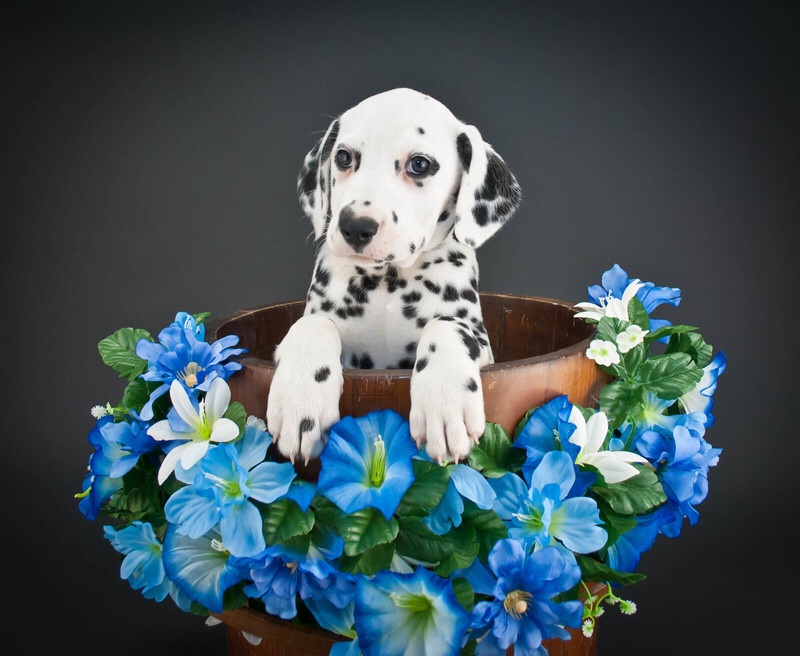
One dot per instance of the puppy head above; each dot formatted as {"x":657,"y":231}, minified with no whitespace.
{"x":395,"y":167}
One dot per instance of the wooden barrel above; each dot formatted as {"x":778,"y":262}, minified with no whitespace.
{"x":539,"y":349}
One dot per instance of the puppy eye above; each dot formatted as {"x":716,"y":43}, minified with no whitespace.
{"x":418,"y":166}
{"x":344,"y":159}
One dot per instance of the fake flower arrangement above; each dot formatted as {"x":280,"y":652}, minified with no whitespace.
{"x":393,"y":552}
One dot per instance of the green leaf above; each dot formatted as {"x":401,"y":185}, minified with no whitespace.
{"x":494,"y":455}
{"x":237,"y":414}
{"x":670,"y":375}
{"x":464,"y":593}
{"x":365,"y":529}
{"x":594,"y":570}
{"x":666,"y":331}
{"x":614,"y":524}
{"x":464,"y":550}
{"x":418,"y":542}
{"x":619,"y":399}
{"x":637,"y":314}
{"x":137,"y":393}
{"x":200,"y":317}
{"x":118,"y":351}
{"x":636,"y":496}
{"x":489,"y":528}
{"x":633,"y":359}
{"x":693,"y":345}
{"x":370,"y":561}
{"x":284,"y":519}
{"x":430,"y":484}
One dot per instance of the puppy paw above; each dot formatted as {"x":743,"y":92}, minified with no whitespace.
{"x":304,"y":394}
{"x":447,"y":413}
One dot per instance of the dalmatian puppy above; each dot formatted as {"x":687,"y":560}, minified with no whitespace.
{"x":400,"y":193}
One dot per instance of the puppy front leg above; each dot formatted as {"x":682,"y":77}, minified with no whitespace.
{"x":446,"y":393}
{"x":303,"y":400}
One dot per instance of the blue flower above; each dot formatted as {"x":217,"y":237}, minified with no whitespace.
{"x":547,"y":429}
{"x":464,"y":483}
{"x":681,"y":462}
{"x":228,"y":477}
{"x":616,"y":280}
{"x":625,"y":553}
{"x":416,"y":613}
{"x":284,"y":571}
{"x":181,"y":356}
{"x":117,"y":448}
{"x":547,"y":514}
{"x":367,"y":462}
{"x":186,"y":321}
{"x":523,"y":612}
{"x":202,"y":568}
{"x":700,"y":398}
{"x":142,"y":565}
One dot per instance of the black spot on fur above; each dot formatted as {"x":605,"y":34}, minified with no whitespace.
{"x":472,"y":344}
{"x":418,"y":183}
{"x":444,"y":216}
{"x":409,"y":311}
{"x":411,"y":347}
{"x":462,"y":312}
{"x":397,"y":166}
{"x":469,"y":295}
{"x":365,"y":362}
{"x":421,"y":364}
{"x":450,"y":293}
{"x":394,"y":217}
{"x":322,"y":276}
{"x":432,"y":287}
{"x":432,"y":347}
{"x":420,"y":130}
{"x":322,"y":374}
{"x":405,"y":363}
{"x":472,"y":386}
{"x":422,"y":322}
{"x":456,"y":258}
{"x":464,"y":149}
{"x":412,"y":248}
{"x":357,"y":158}
{"x":307,"y":424}
{"x":412,"y":297}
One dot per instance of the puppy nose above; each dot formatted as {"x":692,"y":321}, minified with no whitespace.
{"x":357,"y":231}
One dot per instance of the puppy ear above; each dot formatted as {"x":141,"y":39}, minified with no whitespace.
{"x":489,"y":194}
{"x":314,"y":181}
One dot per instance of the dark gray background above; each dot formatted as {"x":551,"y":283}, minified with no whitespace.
{"x":149,"y":158}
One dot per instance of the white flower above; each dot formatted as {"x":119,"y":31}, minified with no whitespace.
{"x":100,"y":411}
{"x":206,"y":425}
{"x":589,"y":436}
{"x":616,"y":308}
{"x":633,"y":336}
{"x":603,"y":352}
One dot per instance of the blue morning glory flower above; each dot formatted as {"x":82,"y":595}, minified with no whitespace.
{"x":201,"y":567}
{"x":700,"y":398}
{"x":283,"y":571}
{"x":464,"y":483}
{"x":549,"y":429}
{"x":117,"y":448}
{"x":625,"y":553}
{"x":367,"y":462}
{"x":523,"y":612}
{"x":180,"y":355}
{"x":681,"y":462}
{"x":142,"y":565}
{"x":417,"y":613}
{"x":225,"y":481}
{"x":546,"y":514}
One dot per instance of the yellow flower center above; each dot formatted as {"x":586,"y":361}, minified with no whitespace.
{"x":189,"y":374}
{"x":516,"y":603}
